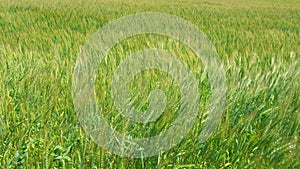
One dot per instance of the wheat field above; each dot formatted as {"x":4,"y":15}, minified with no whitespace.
{"x":258,"y":43}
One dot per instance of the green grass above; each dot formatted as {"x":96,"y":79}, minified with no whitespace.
{"x":258,"y":43}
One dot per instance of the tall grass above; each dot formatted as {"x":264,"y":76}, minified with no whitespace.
{"x":258,"y":43}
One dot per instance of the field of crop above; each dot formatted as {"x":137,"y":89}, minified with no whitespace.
{"x":258,"y":43}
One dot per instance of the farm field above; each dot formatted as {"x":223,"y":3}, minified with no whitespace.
{"x":258,"y":43}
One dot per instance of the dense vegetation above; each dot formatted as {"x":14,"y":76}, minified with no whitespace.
{"x":258,"y":43}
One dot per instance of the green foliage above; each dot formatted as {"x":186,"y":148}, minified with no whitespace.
{"x":257,"y":41}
